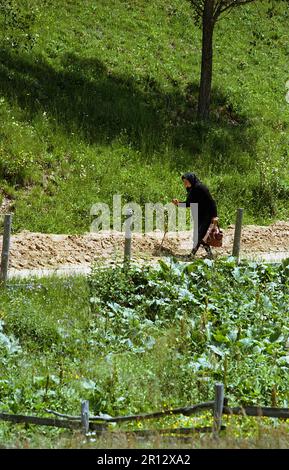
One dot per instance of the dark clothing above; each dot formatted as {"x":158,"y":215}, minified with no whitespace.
{"x":203,"y":225}
{"x":192,"y":178}
{"x":201,"y":195}
{"x":207,"y":209}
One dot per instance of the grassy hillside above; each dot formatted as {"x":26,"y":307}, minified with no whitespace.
{"x":105,"y":103}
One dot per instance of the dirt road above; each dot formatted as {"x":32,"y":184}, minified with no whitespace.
{"x":38,"y":250}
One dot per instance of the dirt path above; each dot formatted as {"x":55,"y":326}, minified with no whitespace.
{"x":38,"y":251}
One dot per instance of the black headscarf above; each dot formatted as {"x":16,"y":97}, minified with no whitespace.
{"x":191,"y":177}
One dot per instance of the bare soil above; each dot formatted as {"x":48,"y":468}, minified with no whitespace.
{"x":39,"y":250}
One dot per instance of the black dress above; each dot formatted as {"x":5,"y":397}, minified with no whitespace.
{"x":207,"y":208}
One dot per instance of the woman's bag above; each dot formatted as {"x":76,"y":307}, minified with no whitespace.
{"x":214,"y":235}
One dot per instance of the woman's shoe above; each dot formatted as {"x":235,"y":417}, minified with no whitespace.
{"x":209,"y":251}
{"x":192,"y":254}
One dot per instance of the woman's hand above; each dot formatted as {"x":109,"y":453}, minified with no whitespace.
{"x":175,"y":202}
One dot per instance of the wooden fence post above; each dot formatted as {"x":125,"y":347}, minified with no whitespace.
{"x":127,"y":240}
{"x":85,"y":416}
{"x":5,"y":247}
{"x":237,"y":234}
{"x":218,"y":408}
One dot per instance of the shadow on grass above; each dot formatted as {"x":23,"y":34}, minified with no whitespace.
{"x":86,"y":98}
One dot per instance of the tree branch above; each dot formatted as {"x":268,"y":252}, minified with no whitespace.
{"x":198,"y":7}
{"x":234,"y":3}
{"x":217,"y":9}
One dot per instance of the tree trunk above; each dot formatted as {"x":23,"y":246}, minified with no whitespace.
{"x":207,"y":61}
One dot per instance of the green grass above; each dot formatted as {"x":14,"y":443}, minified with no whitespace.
{"x":144,"y":340}
{"x":105,"y":103}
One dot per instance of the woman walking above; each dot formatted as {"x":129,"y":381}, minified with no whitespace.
{"x":198,"y":193}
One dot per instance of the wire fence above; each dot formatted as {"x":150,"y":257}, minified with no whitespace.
{"x":87,"y":423}
{"x":86,"y":268}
